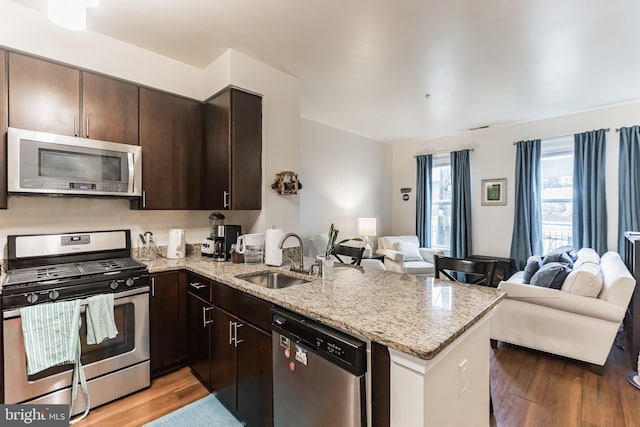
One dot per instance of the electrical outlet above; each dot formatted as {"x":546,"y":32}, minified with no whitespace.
{"x":463,"y":381}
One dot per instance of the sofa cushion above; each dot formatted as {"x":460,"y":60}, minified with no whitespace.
{"x":586,"y":255}
{"x":409,"y":250}
{"x":533,"y":264}
{"x":585,"y":280}
{"x":551,"y":275}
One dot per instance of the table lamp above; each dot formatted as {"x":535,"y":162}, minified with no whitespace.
{"x":366,"y":228}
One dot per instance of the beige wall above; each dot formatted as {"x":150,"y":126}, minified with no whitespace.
{"x":344,"y":176}
{"x":494,"y":157}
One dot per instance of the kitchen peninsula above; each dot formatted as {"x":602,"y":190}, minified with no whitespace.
{"x":437,"y":333}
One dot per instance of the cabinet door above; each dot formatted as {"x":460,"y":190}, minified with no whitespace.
{"x":3,"y":131}
{"x":233,"y":151}
{"x":223,"y":360}
{"x":217,"y":180}
{"x":199,"y":332}
{"x":246,"y":151}
{"x":255,"y":373}
{"x":109,"y":109}
{"x":171,"y":140}
{"x":163,"y":321}
{"x":44,"y":96}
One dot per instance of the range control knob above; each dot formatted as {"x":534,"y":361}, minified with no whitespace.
{"x":32,"y":298}
{"x":113,"y":285}
{"x":129,"y":282}
{"x":53,"y":295}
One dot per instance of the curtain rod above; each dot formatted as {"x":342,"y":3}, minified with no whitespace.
{"x":565,"y":136}
{"x":441,"y":151}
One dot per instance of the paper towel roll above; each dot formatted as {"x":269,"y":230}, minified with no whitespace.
{"x":273,"y":255}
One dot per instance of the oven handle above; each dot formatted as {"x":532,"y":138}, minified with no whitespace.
{"x":7,"y":314}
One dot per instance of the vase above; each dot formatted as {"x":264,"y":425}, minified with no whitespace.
{"x":327,"y":268}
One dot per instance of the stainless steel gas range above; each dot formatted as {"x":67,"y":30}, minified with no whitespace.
{"x":57,"y":267}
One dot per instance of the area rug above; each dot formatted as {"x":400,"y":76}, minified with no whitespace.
{"x":207,"y":411}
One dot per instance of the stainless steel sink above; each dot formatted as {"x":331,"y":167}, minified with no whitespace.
{"x":272,"y":279}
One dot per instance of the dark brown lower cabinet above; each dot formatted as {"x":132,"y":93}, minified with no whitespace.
{"x":167,"y":321}
{"x":241,"y":369}
{"x":199,"y":331}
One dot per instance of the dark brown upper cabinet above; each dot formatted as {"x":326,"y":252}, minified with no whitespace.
{"x":54,"y":98}
{"x":233,"y":151}
{"x":44,"y":96}
{"x":3,"y":130}
{"x":109,"y":109}
{"x":171,"y":141}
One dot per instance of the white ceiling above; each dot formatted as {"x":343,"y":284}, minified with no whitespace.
{"x":366,"y":65}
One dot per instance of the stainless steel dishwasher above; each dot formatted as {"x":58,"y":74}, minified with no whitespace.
{"x":318,"y":374}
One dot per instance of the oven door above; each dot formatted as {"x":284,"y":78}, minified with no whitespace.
{"x":128,"y":348}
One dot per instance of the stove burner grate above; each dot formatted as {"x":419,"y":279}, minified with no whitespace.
{"x":47,"y":272}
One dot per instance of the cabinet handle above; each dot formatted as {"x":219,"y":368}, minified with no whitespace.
{"x":153,"y":286}
{"x":231,"y":332}
{"x":144,"y":199}
{"x":236,"y":340}
{"x":225,"y":199}
{"x":205,"y":322}
{"x":86,"y":131}
{"x":197,"y":285}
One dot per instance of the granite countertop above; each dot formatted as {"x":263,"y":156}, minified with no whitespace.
{"x":416,"y":315}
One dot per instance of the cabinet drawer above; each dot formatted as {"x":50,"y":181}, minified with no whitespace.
{"x":246,"y":307}
{"x":199,"y":286}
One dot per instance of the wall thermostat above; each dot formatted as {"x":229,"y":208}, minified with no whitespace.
{"x":405,"y":190}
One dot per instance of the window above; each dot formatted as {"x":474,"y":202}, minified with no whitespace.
{"x":441,"y":201}
{"x":557,"y":192}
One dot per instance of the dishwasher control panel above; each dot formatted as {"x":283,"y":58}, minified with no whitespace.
{"x":337,"y":346}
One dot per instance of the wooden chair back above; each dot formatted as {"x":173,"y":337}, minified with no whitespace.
{"x":476,"y":272}
{"x":350,"y":251}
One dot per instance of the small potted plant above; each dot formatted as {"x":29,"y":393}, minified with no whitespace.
{"x":327,"y":261}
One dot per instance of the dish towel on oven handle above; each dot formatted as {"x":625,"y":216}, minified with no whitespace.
{"x":100,"y":322}
{"x":51,"y":338}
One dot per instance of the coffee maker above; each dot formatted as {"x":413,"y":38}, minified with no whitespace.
{"x":224,"y":236}
{"x":218,"y":244}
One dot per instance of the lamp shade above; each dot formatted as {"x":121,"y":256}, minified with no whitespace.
{"x":367,"y":226}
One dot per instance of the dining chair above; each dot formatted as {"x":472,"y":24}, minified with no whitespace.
{"x":350,"y":251}
{"x":476,"y":272}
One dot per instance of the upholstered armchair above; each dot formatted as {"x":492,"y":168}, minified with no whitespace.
{"x":403,"y":254}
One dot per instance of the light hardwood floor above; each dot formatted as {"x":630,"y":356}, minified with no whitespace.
{"x":165,"y":395}
{"x":529,"y":389}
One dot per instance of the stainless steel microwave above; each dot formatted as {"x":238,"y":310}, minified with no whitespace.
{"x":39,"y":162}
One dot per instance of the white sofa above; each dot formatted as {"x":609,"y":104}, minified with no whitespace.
{"x":565,"y":323}
{"x":403,"y":254}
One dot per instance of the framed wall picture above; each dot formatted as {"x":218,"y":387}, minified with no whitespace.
{"x":494,"y":192}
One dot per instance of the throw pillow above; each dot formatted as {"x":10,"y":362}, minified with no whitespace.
{"x":551,"y":275}
{"x":586,"y":255}
{"x":586,"y":280}
{"x":409,"y":250}
{"x":533,"y":264}
{"x":569,"y":251}
{"x":557,"y":256}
